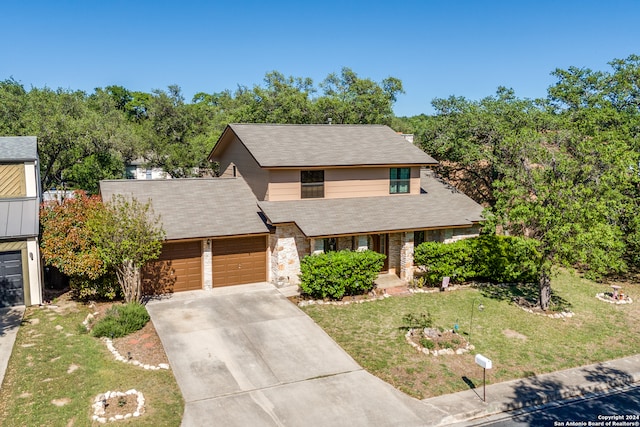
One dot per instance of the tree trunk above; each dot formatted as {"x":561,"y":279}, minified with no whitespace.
{"x":130,"y":281}
{"x":545,"y":290}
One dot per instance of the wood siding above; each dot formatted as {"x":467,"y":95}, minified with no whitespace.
{"x":284,"y":184}
{"x":339,"y":183}
{"x":236,"y":153}
{"x":12,"y":180}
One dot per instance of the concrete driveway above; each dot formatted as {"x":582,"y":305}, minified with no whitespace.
{"x":246,"y":356}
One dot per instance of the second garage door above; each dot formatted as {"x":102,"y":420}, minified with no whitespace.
{"x":179,"y":267}
{"x":239,"y":261}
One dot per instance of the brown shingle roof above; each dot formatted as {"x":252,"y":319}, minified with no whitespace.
{"x":440,"y":206}
{"x":195,"y":208}
{"x":278,"y":145}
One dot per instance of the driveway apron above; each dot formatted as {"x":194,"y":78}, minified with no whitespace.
{"x":246,"y":356}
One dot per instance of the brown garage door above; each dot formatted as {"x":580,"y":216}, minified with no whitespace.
{"x":178,"y":268}
{"x":240,"y":260}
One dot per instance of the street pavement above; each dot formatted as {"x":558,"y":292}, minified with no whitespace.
{"x":620,"y":407}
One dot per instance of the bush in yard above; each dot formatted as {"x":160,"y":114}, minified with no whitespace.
{"x":505,"y":259}
{"x":336,"y":274}
{"x":440,"y":260}
{"x":501,"y":259}
{"x":121,"y":320}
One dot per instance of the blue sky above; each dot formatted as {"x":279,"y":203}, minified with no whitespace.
{"x":437,"y":48}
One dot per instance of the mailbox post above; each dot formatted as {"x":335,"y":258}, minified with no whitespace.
{"x":485,"y":363}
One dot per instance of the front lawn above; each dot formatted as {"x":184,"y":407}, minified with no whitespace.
{"x":57,"y":369}
{"x":519,"y":343}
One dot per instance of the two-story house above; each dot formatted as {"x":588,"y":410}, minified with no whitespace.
{"x":333,"y":187}
{"x":20,"y":266}
{"x":287,"y":191}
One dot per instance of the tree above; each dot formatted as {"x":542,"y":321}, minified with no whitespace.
{"x":127,"y":235}
{"x":66,"y":239}
{"x":67,"y":244}
{"x":564,"y":199}
{"x":349,"y":99}
{"x":474,"y":140}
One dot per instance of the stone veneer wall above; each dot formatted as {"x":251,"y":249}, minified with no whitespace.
{"x":345,"y":243}
{"x":395,"y":246}
{"x":207,"y":265}
{"x":406,"y":256}
{"x":287,"y":247}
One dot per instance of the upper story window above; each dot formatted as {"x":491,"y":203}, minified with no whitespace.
{"x":312,"y":184}
{"x":399,"y":179}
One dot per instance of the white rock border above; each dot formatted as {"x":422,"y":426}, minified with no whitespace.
{"x":116,"y":354}
{"x":120,"y":358}
{"x":441,"y":352}
{"x":626,"y":300}
{"x":101,"y":400}
{"x":561,"y":315}
{"x":306,"y":303}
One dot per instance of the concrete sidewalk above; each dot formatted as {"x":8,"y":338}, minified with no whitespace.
{"x":10,"y":319}
{"x":517,"y":394}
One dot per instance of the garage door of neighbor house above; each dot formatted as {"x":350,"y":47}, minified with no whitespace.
{"x":11,"y":282}
{"x":239,"y":261}
{"x":179,"y":267}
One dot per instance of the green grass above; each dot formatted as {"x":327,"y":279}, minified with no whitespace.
{"x":372,"y":333}
{"x":38,"y":374}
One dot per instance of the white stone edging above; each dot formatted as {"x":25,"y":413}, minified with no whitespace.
{"x":123,"y":359}
{"x":116,"y":354}
{"x":561,"y":315}
{"x":441,"y":352}
{"x":626,"y":300}
{"x":306,"y":303}
{"x":100,"y":402}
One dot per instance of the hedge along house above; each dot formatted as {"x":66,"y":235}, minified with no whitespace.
{"x":215,"y":235}
{"x":333,"y":187}
{"x":20,"y":264}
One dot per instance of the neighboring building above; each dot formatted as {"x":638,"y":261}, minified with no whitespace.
{"x":138,"y":169}
{"x":20,"y":265}
{"x":288,"y":191}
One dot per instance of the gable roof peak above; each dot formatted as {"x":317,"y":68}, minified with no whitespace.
{"x":321,"y":145}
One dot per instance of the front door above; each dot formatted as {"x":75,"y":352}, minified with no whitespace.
{"x":381,"y":245}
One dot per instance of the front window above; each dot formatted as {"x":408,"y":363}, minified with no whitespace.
{"x":399,"y":179}
{"x":418,"y":237}
{"x":312,"y":184}
{"x":330,"y":244}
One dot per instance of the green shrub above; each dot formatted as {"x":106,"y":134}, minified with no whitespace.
{"x":105,"y":287}
{"x":121,"y":320}
{"x":453,"y":260}
{"x":336,"y":274}
{"x":420,"y":321}
{"x":500,"y":259}
{"x":427,"y":343}
{"x":505,"y":259}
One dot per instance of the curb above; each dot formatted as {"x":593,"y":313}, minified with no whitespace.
{"x":467,"y":405}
